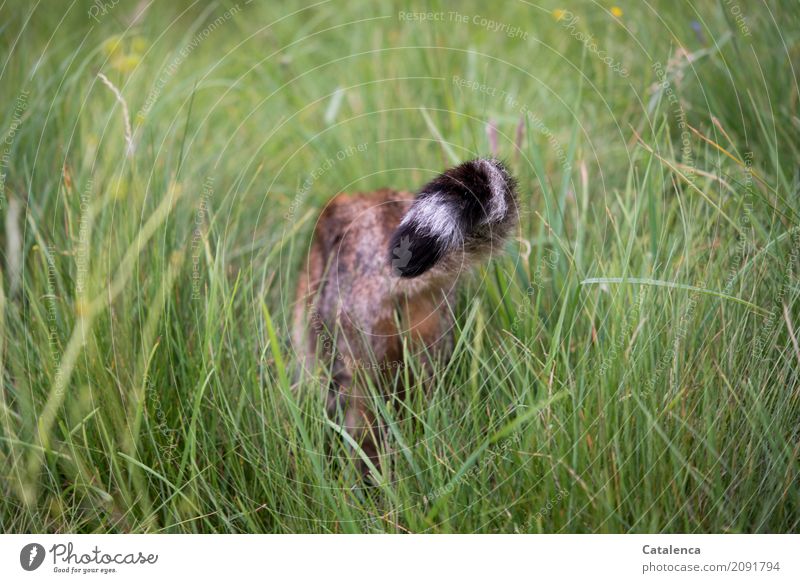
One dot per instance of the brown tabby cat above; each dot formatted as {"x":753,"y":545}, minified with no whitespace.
{"x":382,"y":272}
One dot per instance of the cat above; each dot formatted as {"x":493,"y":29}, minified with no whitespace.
{"x":383,"y":267}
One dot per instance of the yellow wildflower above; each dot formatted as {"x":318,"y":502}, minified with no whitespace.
{"x":112,"y":45}
{"x":125,"y":63}
{"x":139,"y":44}
{"x":124,"y":54}
{"x":616,"y":11}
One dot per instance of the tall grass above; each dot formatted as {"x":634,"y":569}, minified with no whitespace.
{"x":629,"y":365}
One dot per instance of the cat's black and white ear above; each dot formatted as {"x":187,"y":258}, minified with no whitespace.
{"x":470,"y":207}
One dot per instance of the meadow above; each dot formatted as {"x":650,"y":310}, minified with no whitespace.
{"x":628,"y":364}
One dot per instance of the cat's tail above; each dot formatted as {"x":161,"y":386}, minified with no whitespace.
{"x":459,"y":217}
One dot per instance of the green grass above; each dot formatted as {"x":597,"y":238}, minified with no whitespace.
{"x":629,"y":365}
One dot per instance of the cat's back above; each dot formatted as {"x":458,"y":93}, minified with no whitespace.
{"x":354,"y":232}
